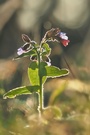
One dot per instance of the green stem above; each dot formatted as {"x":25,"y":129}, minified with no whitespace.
{"x":41,"y":85}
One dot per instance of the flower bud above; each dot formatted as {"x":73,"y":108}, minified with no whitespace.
{"x":25,"y":38}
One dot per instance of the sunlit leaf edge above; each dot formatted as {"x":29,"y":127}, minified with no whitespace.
{"x":59,"y":73}
{"x":33,"y":73}
{"x":21,"y":91}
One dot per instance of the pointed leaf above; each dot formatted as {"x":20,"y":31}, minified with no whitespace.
{"x":33,"y":72}
{"x":52,"y":71}
{"x":44,"y":73}
{"x":21,"y":91}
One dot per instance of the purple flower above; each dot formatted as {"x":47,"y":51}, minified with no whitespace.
{"x":63,"y":38}
{"x":23,"y":49}
{"x":63,"y":35}
{"x":55,"y":34}
{"x":20,"y":51}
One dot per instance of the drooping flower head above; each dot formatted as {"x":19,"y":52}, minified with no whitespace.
{"x":55,"y":34}
{"x":30,"y":47}
{"x":63,"y":38}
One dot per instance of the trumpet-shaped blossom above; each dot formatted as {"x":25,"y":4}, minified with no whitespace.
{"x":55,"y":34}
{"x":20,"y":51}
{"x":63,"y":38}
{"x":26,"y":47}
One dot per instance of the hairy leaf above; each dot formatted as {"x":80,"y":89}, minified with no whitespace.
{"x":33,"y":73}
{"x":44,"y":73}
{"x":52,"y":71}
{"x":21,"y":91}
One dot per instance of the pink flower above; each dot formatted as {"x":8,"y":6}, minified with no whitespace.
{"x":65,"y":42}
{"x":55,"y":34}
{"x":63,"y":38}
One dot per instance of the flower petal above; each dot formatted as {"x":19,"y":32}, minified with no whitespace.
{"x":65,"y":42}
{"x":20,"y":51}
{"x":63,"y":36}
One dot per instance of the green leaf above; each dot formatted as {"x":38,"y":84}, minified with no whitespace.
{"x":45,"y":72}
{"x":47,"y":50}
{"x":21,"y":91}
{"x":33,"y":72}
{"x":52,"y":71}
{"x":30,"y":53}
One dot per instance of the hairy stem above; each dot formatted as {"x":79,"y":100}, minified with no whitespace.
{"x":41,"y":85}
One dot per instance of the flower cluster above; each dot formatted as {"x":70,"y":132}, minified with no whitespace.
{"x":32,"y":49}
{"x":55,"y":34}
{"x":63,"y":38}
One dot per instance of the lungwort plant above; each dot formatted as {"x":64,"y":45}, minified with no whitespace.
{"x":40,"y":65}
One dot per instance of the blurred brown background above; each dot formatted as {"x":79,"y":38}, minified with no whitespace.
{"x":34,"y":18}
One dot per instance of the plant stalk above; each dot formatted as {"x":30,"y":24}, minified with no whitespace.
{"x":40,"y":109}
